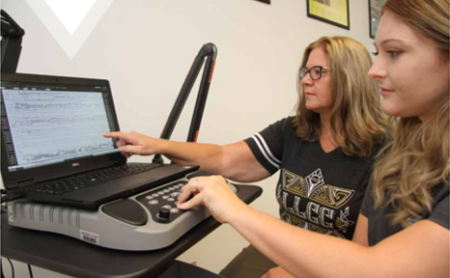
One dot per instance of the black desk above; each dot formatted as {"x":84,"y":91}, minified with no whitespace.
{"x":76,"y":258}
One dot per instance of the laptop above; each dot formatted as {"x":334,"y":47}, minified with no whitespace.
{"x":52,"y":146}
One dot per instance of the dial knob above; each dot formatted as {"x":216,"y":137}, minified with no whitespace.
{"x":164,"y":213}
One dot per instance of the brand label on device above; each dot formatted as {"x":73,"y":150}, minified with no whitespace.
{"x":89,"y":237}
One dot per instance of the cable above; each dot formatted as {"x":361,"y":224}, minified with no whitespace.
{"x":1,"y":267}
{"x":5,"y":197}
{"x":9,"y":198}
{"x":12,"y":267}
{"x":31,"y":272}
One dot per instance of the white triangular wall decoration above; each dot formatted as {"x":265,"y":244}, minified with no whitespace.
{"x":70,"y":12}
{"x":50,"y":14}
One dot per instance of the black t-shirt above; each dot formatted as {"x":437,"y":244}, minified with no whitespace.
{"x":318,"y":191}
{"x":380,"y":226}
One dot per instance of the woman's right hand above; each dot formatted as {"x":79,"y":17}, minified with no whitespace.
{"x":135,"y":143}
{"x":214,"y":193}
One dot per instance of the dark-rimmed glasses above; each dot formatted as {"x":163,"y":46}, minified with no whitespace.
{"x":315,"y":72}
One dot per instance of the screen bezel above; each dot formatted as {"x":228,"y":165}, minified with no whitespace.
{"x":33,"y":175}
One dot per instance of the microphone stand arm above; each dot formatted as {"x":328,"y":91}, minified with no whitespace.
{"x":12,"y":35}
{"x":208,"y":51}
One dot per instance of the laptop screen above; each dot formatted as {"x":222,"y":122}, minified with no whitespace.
{"x":45,"y":124}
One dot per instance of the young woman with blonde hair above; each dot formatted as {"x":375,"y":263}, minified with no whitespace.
{"x":324,"y":153}
{"x":403,"y":228}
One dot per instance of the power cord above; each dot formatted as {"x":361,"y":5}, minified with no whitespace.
{"x":31,"y":272}
{"x":13,"y":271}
{"x":10,"y":197}
{"x":12,"y":267}
{"x":5,"y":197}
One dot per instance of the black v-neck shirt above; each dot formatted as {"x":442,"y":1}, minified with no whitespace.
{"x":318,"y":191}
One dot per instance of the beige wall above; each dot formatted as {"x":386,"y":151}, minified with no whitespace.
{"x":145,"y":48}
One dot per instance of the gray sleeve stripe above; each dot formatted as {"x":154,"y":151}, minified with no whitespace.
{"x":267,"y":149}
{"x":264,"y":152}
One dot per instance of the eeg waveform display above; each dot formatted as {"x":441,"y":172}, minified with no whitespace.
{"x":51,"y":126}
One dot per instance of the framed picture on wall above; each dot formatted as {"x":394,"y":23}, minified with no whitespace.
{"x":335,"y":12}
{"x":264,"y":1}
{"x":375,"y":15}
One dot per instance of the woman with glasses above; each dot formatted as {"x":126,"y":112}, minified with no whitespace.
{"x":403,"y":228}
{"x":324,"y":153}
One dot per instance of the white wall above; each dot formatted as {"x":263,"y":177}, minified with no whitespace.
{"x":145,"y":49}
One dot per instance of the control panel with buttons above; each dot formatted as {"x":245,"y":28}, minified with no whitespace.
{"x":162,"y":202}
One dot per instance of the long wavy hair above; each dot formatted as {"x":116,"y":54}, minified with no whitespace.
{"x":417,"y":160}
{"x":358,"y":123}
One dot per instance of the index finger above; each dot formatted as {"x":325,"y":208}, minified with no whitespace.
{"x":195,"y":201}
{"x":117,"y":134}
{"x":187,"y":190}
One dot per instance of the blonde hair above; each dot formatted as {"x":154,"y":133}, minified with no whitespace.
{"x":418,"y":158}
{"x":357,"y":120}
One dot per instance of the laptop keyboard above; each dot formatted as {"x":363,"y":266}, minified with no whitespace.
{"x":61,"y":186}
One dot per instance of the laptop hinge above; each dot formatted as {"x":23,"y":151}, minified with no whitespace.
{"x":25,"y":183}
{"x":105,"y":165}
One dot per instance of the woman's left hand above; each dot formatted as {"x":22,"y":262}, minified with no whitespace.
{"x":214,"y":193}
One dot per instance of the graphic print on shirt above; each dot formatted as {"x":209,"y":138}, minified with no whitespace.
{"x":312,"y":204}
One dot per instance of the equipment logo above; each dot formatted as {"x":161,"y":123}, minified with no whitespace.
{"x":70,"y":21}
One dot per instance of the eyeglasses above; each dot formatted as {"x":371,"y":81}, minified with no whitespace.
{"x":315,"y":72}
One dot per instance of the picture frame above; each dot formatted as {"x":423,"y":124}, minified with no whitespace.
{"x":335,"y":12}
{"x":264,"y":1}
{"x":375,"y":15}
